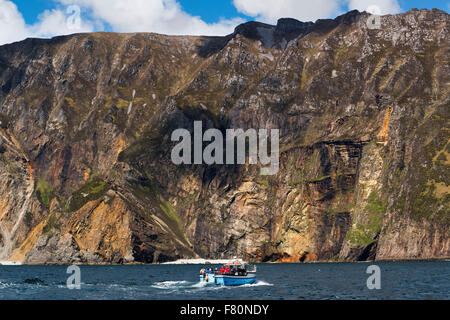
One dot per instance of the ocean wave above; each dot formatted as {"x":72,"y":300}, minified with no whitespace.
{"x":201,"y":284}
{"x":34,"y":281}
{"x":202,"y":261}
{"x":170,"y":284}
{"x":258,"y":283}
{"x":4,"y":285}
{"x":10,"y":263}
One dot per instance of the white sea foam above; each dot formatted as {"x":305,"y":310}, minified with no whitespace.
{"x":4,"y":285}
{"x":202,"y":261}
{"x":185,"y":285}
{"x":258,"y":283}
{"x":10,"y":263}
{"x":169,"y":284}
{"x":200,"y":285}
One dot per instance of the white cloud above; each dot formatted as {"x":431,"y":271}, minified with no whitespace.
{"x":12,"y":24}
{"x":160,"y":16}
{"x":49,"y":24}
{"x":165,"y":16}
{"x":385,"y":6}
{"x":304,"y":10}
{"x":57,"y":22}
{"x":308,"y":10}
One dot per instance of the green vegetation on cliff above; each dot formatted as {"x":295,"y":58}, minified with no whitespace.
{"x":364,"y":234}
{"x":92,"y":190}
{"x":44,"y":191}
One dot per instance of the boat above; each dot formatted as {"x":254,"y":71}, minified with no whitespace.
{"x":207,"y":275}
{"x":239,"y":273}
{"x":231,"y":280}
{"x":209,"y":278}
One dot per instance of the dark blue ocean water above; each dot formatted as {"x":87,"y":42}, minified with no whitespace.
{"x":399,"y":280}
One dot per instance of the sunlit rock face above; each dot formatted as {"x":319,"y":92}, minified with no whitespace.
{"x":86,"y":120}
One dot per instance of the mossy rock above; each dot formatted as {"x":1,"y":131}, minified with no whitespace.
{"x":4,"y":120}
{"x":94,"y":189}
{"x":51,"y":226}
{"x":44,"y":192}
{"x":364,"y":234}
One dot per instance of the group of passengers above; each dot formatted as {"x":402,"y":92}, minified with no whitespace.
{"x":231,"y":270}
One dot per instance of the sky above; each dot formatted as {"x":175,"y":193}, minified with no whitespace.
{"x":20,"y":19}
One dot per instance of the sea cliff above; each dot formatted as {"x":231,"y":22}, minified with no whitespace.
{"x":85,"y":123}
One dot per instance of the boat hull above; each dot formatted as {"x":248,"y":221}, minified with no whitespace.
{"x":224,"y":280}
{"x":210,"y":278}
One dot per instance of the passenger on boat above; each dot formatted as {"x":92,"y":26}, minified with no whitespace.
{"x":242,"y":271}
{"x":222,"y":270}
{"x":208,"y":271}
{"x":234,"y":270}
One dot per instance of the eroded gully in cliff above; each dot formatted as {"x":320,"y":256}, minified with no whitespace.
{"x":7,"y":235}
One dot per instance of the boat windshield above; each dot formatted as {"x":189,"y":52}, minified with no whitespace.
{"x":250,"y":268}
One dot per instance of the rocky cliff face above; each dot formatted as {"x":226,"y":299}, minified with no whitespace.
{"x":86,"y":119}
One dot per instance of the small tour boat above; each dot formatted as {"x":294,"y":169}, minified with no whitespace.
{"x":235,"y":273}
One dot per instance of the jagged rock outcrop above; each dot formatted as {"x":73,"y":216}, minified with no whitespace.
{"x":86,"y":119}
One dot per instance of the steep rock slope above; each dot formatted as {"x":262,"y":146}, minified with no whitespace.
{"x":86,"y":119}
